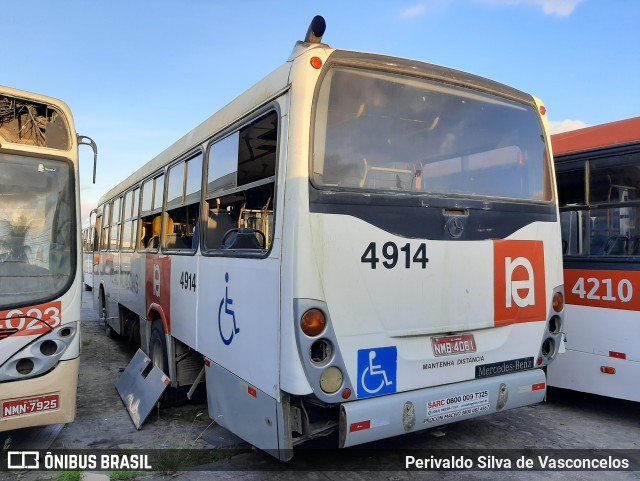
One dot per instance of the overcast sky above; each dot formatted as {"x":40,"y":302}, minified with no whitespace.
{"x":139,"y":74}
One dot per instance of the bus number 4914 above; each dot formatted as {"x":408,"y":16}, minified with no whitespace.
{"x":390,"y":252}
{"x":624,"y":289}
{"x":188,"y":281}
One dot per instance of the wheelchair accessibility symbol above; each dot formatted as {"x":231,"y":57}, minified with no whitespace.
{"x":228,"y":318}
{"x":377,"y":371}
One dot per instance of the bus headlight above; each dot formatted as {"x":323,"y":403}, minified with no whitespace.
{"x":331,"y":380}
{"x":40,"y":356}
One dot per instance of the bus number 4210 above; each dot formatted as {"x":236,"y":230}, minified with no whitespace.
{"x":624,"y":289}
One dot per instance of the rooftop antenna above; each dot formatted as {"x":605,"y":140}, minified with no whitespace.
{"x":316,"y":30}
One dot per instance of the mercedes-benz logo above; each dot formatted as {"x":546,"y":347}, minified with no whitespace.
{"x":455,"y":227}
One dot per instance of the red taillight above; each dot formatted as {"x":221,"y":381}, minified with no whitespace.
{"x":607,"y":370}
{"x":558,"y":302}
{"x":316,"y":63}
{"x":346,"y":393}
{"x":313,"y":322}
{"x":543,"y":110}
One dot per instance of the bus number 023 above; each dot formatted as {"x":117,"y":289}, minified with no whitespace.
{"x":624,"y":288}
{"x":33,"y":319}
{"x":392,"y":254}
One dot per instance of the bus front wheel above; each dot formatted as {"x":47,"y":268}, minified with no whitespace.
{"x":104,"y":317}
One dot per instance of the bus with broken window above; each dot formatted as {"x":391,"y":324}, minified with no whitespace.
{"x":40,"y":263}
{"x":358,"y":244}
{"x":599,"y":193}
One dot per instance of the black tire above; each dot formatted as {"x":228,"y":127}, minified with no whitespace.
{"x":103,"y":309}
{"x":104,"y":315}
{"x":158,"y":354}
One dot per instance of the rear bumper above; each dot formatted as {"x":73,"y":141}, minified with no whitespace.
{"x":382,"y":417}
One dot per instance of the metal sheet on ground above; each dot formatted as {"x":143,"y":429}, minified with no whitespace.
{"x":140,"y":387}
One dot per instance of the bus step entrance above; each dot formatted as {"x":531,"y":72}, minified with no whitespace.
{"x":140,"y":387}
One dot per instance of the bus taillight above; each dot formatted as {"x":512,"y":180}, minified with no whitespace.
{"x":316,"y":62}
{"x":558,"y":302}
{"x":313,"y":322}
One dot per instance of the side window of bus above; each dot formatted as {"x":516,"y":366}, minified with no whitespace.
{"x":106,"y":221}
{"x":129,"y":220}
{"x":183,"y":205}
{"x":150,"y":214}
{"x":97,"y":231}
{"x":116,"y":213}
{"x":241,"y":188}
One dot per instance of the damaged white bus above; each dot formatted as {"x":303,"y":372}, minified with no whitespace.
{"x":40,"y":260}
{"x":358,"y":243}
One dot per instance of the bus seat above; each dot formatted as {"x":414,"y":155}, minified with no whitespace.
{"x":196,"y":234}
{"x":218,"y":224}
{"x":243,"y":239}
{"x":634,"y":246}
{"x":157,"y":224}
{"x":616,"y":245}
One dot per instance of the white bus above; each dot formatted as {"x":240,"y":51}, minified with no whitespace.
{"x":40,"y":263}
{"x":599,"y":192}
{"x":358,"y":243}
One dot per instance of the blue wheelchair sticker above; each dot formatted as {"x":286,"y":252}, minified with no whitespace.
{"x":229,"y":316}
{"x":377,"y":370}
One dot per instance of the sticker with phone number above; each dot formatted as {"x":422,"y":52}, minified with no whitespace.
{"x":33,"y":320}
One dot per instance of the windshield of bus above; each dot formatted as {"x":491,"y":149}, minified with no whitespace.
{"x":379,"y":131}
{"x":36,"y":229}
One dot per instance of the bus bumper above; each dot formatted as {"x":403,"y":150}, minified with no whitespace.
{"x":61,"y":381}
{"x":382,"y":417}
